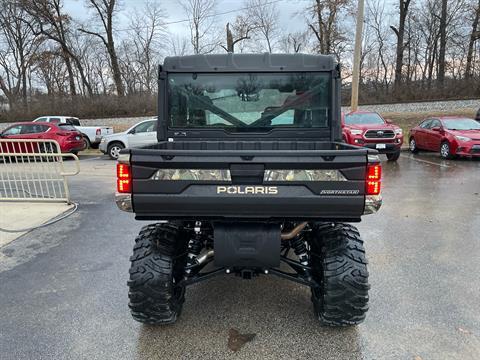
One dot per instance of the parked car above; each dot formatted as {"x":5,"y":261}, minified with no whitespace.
{"x":141,"y":134}
{"x":91,"y":134}
{"x":67,"y":136}
{"x":451,"y":136}
{"x":371,"y":130}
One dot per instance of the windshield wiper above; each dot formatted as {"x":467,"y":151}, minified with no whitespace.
{"x":214,"y":109}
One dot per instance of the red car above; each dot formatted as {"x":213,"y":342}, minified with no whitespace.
{"x":450,"y":135}
{"x":69,"y":139}
{"x":369,"y":129}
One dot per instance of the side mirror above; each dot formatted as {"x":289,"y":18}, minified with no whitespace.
{"x":436,"y":128}
{"x":389,"y":121}
{"x":132,"y":131}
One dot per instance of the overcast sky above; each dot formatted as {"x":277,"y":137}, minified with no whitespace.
{"x":287,"y":10}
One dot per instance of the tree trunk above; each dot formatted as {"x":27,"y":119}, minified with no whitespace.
{"x":71,"y":75}
{"x":474,"y":36}
{"x":400,"y":32}
{"x":117,"y":75}
{"x":230,"y":45}
{"x":443,"y":43}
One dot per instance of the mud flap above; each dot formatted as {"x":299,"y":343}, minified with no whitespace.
{"x":253,"y":245}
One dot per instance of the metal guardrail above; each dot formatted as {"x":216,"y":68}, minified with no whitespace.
{"x":33,"y":170}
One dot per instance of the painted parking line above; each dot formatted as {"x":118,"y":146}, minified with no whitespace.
{"x":424,"y":161}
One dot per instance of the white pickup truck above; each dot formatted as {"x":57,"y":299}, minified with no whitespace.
{"x":91,"y":134}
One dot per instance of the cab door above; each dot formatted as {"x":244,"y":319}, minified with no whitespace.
{"x":421,"y":134}
{"x":13,"y":132}
{"x":433,"y":135}
{"x":143,"y":134}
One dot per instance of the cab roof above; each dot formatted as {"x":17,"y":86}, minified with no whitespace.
{"x":249,"y":62}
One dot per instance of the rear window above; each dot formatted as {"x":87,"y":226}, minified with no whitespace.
{"x":67,"y":127}
{"x":73,"y":121}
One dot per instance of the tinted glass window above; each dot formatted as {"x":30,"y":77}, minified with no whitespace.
{"x":43,"y":119}
{"x":67,"y":127}
{"x":461,"y":124}
{"x":249,"y":101}
{"x":14,"y":130}
{"x":363,"y":119}
{"x":146,"y":127}
{"x":73,"y":121}
{"x":426,"y":124}
{"x":54,"y":120}
{"x":34,"y":129}
{"x":435,"y":123}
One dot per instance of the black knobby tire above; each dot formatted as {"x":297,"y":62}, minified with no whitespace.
{"x":340,"y":269}
{"x":157,"y":265}
{"x":393,"y":156}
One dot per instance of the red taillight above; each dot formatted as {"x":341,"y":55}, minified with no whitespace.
{"x":99,"y":132}
{"x":124,"y":178}
{"x":373,"y":182}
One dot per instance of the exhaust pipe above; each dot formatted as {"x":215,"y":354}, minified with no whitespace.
{"x":204,"y":257}
{"x":294,"y":232}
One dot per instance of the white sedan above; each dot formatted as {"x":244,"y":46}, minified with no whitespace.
{"x":141,"y":134}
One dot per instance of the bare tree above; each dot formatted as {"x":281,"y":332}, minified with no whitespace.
{"x":178,"y":45}
{"x":443,"y":43}
{"x":48,"y":19}
{"x":294,"y":42}
{"x":376,"y":16}
{"x":201,"y":20}
{"x":400,"y":33}
{"x":104,"y":11}
{"x":17,"y":53}
{"x":324,"y":23}
{"x":240,"y":31}
{"x":146,"y":36}
{"x":474,"y":36}
{"x":264,"y":18}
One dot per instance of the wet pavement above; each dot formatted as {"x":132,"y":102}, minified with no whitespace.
{"x":63,"y":291}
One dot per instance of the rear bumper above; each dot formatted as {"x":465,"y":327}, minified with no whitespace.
{"x":73,"y":146}
{"x":292,"y":202}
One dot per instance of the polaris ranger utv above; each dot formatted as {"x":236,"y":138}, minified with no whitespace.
{"x":249,"y":173}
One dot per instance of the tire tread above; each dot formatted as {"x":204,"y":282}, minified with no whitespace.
{"x":342,"y":299}
{"x":151,"y":290}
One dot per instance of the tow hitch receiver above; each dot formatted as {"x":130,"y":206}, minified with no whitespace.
{"x":251,"y":245}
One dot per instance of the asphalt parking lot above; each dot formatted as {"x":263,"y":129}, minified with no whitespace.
{"x":63,"y":288}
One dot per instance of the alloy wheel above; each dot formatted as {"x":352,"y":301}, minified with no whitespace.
{"x":445,"y":150}
{"x":413,"y":145}
{"x":115,"y":151}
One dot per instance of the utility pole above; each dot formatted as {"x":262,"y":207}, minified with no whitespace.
{"x":356,"y":55}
